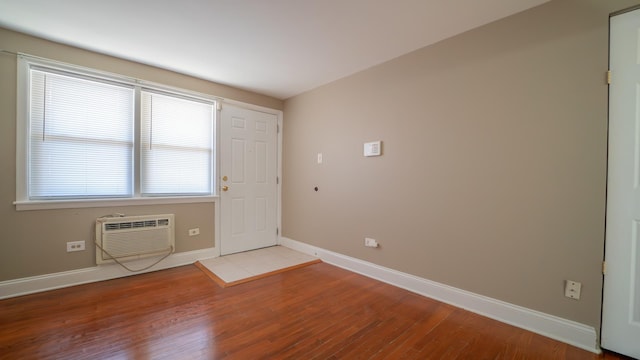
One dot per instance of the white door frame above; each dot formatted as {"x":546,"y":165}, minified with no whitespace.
{"x":617,"y":327}
{"x":217,"y":221}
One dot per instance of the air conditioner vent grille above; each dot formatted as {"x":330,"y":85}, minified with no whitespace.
{"x":125,"y":225}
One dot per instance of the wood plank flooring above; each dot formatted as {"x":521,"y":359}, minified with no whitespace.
{"x":315,"y":312}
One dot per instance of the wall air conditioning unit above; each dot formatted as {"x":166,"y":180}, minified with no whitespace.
{"x":134,"y":237}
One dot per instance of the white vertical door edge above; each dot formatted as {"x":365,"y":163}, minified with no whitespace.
{"x":217,"y":234}
{"x":621,"y":295}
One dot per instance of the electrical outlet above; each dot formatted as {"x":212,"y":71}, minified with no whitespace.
{"x":368,"y":242}
{"x":194,"y":232}
{"x":572,"y":289}
{"x":75,"y":246}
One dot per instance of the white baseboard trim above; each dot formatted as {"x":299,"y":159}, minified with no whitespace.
{"x":551,"y":326}
{"x":29,"y":285}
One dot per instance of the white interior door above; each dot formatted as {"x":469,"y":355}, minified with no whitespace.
{"x":248,"y":172}
{"x":621,"y":303}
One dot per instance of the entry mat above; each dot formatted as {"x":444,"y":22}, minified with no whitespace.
{"x":246,"y":266}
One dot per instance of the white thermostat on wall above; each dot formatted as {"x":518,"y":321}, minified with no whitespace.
{"x":373,"y":148}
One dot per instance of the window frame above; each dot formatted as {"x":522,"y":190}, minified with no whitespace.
{"x":23,"y":131}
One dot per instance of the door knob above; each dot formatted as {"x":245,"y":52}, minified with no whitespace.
{"x":225,"y":188}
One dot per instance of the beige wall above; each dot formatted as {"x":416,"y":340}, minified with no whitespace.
{"x":33,"y":242}
{"x":494,"y":167}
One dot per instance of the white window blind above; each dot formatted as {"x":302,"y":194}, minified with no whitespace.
{"x":81,"y":137}
{"x":177,"y":139}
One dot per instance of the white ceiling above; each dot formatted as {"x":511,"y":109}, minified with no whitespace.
{"x":275,"y":47}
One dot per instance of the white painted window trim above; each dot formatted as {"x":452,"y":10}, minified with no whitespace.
{"x":87,"y":203}
{"x":23,"y":202}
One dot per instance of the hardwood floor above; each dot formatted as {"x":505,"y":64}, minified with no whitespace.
{"x":315,"y":312}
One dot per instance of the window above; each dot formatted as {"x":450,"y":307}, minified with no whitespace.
{"x":84,"y":135}
{"x":176,"y":145}
{"x":81,"y":141}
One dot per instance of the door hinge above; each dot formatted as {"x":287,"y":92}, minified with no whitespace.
{"x":277,"y":231}
{"x":604,"y":268}
{"x":277,"y":180}
{"x":278,"y":128}
{"x":218,"y":106}
{"x":608,"y":77}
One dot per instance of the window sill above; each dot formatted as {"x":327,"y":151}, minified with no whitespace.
{"x":93,"y":203}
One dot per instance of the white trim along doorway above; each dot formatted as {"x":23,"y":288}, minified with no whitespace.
{"x":621,"y":295}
